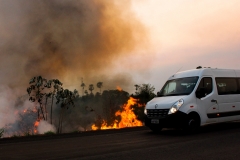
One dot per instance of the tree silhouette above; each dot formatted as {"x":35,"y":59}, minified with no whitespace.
{"x":91,"y":88}
{"x":112,"y":101}
{"x":64,"y":98}
{"x":99,"y":85}
{"x":86,"y":92}
{"x":145,"y":93}
{"x":56,"y":85}
{"x":83,"y":85}
{"x":75,"y":92}
{"x":48,"y":95}
{"x":35,"y":91}
{"x":137,"y":86}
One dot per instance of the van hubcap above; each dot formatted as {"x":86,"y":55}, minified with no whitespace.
{"x":192,"y":123}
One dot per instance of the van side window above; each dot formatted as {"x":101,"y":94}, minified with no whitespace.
{"x":205,"y":85}
{"x":227,"y":86}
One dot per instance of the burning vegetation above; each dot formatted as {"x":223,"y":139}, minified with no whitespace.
{"x":107,"y":110}
{"x":127,"y":117}
{"x":65,"y":40}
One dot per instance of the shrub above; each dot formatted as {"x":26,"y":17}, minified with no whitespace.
{"x":49,"y":133}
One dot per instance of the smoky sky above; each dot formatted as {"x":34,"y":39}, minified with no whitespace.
{"x":59,"y":38}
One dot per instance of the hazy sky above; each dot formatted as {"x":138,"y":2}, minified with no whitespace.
{"x":183,"y":35}
{"x":168,"y":36}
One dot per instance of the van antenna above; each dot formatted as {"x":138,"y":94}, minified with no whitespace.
{"x":177,"y":71}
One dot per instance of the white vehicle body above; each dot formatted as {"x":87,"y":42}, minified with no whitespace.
{"x":208,"y":96}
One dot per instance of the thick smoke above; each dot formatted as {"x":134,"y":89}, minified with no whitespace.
{"x":64,"y":39}
{"x":44,"y":127}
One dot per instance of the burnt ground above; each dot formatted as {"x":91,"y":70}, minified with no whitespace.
{"x":220,"y":141}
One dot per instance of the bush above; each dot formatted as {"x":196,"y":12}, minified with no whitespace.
{"x":75,"y":132}
{"x":49,"y":133}
{"x":27,"y":134}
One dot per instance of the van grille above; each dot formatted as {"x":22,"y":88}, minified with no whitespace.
{"x":157,"y":113}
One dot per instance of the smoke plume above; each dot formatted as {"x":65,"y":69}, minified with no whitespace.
{"x":64,"y":39}
{"x":44,"y":127}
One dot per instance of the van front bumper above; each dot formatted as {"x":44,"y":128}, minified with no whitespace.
{"x":176,"y":120}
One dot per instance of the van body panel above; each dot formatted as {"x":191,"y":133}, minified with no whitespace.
{"x":206,"y":108}
{"x":224,"y":73}
{"x":189,"y":104}
{"x":191,"y":73}
{"x":163,"y":102}
{"x":237,"y":73}
{"x":211,"y":108}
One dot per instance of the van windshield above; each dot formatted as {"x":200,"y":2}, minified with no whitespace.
{"x":180,"y":86}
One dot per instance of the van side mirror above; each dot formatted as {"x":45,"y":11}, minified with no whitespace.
{"x":200,"y":93}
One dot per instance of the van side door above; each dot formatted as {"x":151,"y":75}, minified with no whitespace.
{"x":206,"y":100}
{"x":228,"y":98}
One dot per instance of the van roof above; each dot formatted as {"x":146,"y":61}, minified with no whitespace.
{"x":207,"y":72}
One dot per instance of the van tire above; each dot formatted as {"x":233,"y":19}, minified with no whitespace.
{"x":193,"y":122}
{"x":156,"y":129}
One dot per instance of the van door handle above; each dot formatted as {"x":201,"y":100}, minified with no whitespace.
{"x":213,"y":100}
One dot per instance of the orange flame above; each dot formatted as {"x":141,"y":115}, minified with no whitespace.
{"x":128,"y":118}
{"x":35,"y":126}
{"x":119,"y":88}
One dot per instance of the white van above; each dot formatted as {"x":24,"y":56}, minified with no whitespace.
{"x":194,"y":98}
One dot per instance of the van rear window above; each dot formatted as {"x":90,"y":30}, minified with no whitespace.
{"x":227,"y":86}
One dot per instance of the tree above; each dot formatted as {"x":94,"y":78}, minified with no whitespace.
{"x":64,"y":98}
{"x":82,"y":85}
{"x":76,"y":93}
{"x":145,"y":93}
{"x":112,"y":101}
{"x":48,"y":95}
{"x":86,"y":92}
{"x":137,"y":86}
{"x":99,"y":85}
{"x":35,"y":91}
{"x":55,"y":85}
{"x":91,"y":88}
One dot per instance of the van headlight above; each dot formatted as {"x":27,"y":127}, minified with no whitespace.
{"x":145,"y":111}
{"x":175,"y":107}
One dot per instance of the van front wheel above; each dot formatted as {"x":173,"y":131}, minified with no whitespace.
{"x":193,"y":122}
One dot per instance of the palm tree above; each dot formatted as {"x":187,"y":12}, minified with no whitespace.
{"x":91,"y":88}
{"x":76,"y":93}
{"x":83,"y":85}
{"x":137,"y":87}
{"x":99,"y":85}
